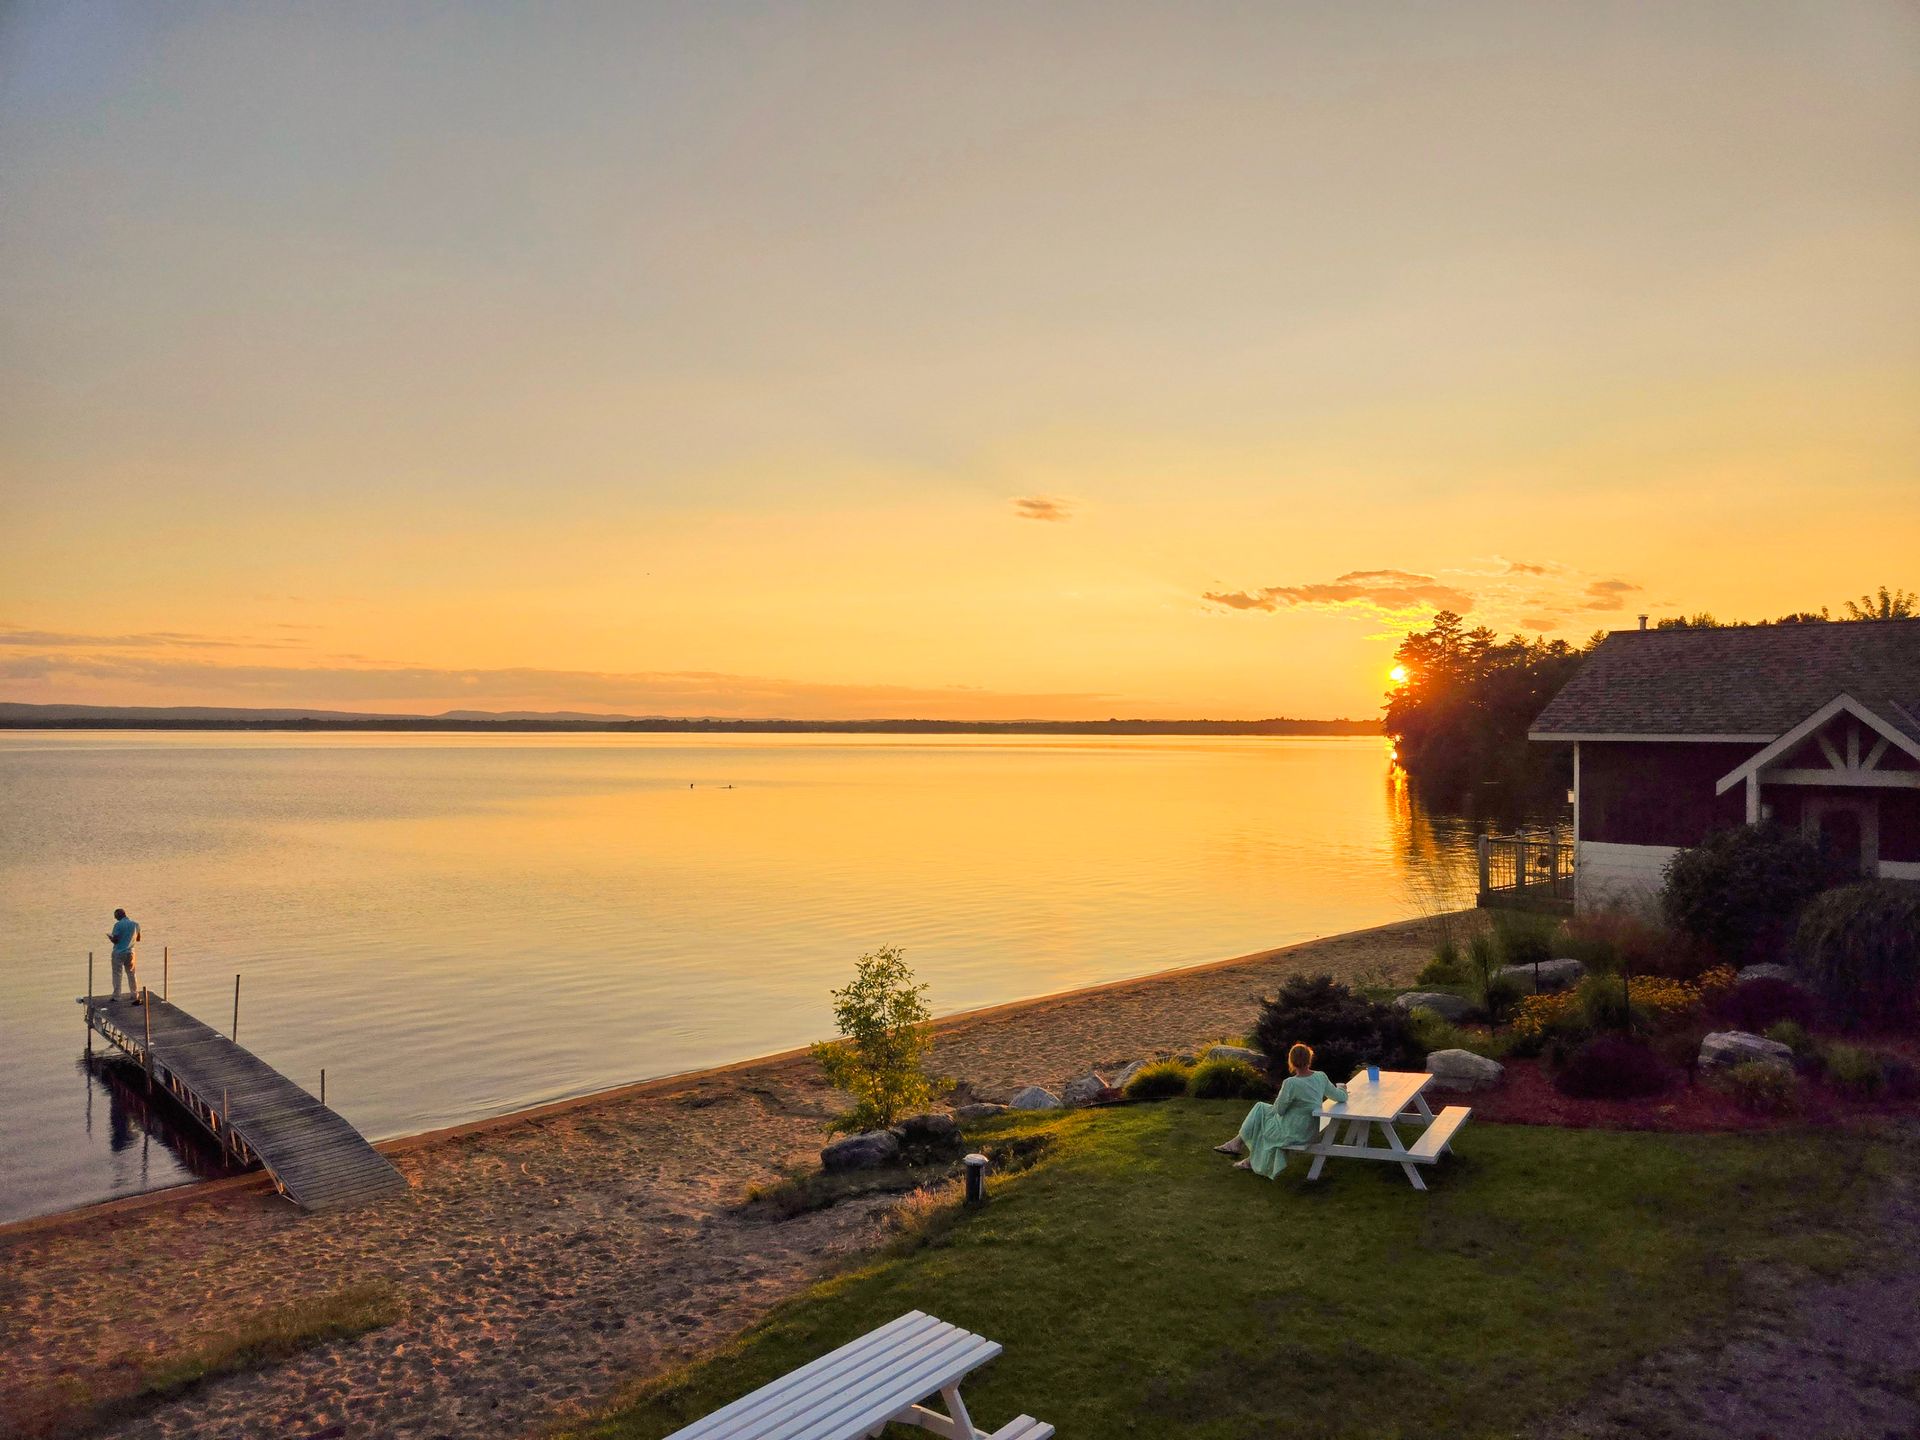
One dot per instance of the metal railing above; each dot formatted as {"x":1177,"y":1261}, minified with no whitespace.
{"x":1526,"y":872}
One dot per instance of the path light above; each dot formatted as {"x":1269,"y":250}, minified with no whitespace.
{"x":976,"y":1179}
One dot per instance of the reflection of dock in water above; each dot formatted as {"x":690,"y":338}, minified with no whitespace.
{"x":136,"y":1116}
{"x":255,"y":1114}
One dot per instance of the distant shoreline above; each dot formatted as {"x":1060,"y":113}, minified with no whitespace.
{"x":16,"y":716}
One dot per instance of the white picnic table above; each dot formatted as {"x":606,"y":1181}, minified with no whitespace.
{"x":885,"y":1376}
{"x":1374,"y":1110}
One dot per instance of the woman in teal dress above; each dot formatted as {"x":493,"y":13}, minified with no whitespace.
{"x":1292,"y":1119}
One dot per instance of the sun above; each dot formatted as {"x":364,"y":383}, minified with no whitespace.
{"x":1398,"y":674}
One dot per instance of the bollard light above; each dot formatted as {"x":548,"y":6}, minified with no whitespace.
{"x":976,"y":1179}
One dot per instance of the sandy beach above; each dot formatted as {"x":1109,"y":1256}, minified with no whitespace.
{"x":551,"y":1256}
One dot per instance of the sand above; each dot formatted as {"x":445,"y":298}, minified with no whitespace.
{"x":553,"y":1256}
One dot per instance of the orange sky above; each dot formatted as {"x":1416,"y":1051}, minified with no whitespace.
{"x":986,"y":361}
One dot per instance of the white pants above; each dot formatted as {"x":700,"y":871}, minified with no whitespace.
{"x":125,"y":962}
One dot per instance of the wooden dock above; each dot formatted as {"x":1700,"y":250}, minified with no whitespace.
{"x":257,"y":1115}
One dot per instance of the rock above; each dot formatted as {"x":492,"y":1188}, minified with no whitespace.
{"x":865,"y":1151}
{"x":1737,"y":1047}
{"x":1128,"y":1071}
{"x":1451,"y":1008}
{"x":1084,"y":1091}
{"x":1238,"y":1052}
{"x":936,"y":1127}
{"x":982,"y":1110}
{"x":1035,"y":1098}
{"x":1768,"y":972}
{"x":1463,"y":1070}
{"x":1554,"y":975}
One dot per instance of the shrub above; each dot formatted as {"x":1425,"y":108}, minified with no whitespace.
{"x":1606,"y":941}
{"x":1613,"y":1067}
{"x":1495,"y":992}
{"x":1523,"y":939}
{"x":1345,"y":1029}
{"x":1861,"y":943}
{"x":1161,"y":1081}
{"x":1228,"y":1080}
{"x":1446,"y":967}
{"x":1856,"y":1072}
{"x":1430,"y":1031}
{"x":1902,"y":1077}
{"x":883,"y":1019}
{"x":1756,"y":1004}
{"x":1760,"y":1086}
{"x":1793,"y":1035}
{"x":1740,"y":891}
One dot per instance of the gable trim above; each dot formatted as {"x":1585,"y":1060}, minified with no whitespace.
{"x":1751,"y":767}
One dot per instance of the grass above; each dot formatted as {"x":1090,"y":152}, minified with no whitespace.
{"x":1141,"y":1287}
{"x":252,"y":1341}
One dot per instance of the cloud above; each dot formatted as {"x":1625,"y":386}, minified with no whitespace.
{"x":144,"y":640}
{"x":1608,"y":594}
{"x":1525,"y":567}
{"x":121,"y":679}
{"x":1041,"y":507}
{"x":1377,"y":592}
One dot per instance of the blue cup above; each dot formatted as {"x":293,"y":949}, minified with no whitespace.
{"x":1373,"y":1074}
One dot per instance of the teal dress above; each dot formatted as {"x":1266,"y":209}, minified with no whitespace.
{"x":1292,"y":1119}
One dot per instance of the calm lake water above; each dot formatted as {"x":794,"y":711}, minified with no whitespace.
{"x":457,"y":926}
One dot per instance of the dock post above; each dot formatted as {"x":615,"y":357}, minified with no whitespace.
{"x":323,"y":1084}
{"x":166,"y":972}
{"x":89,"y":1002}
{"x":235,"y":1036}
{"x":146,"y":1012}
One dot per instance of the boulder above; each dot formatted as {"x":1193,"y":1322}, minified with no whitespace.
{"x":865,"y":1151}
{"x":1737,"y":1047}
{"x":1128,"y":1071}
{"x":1554,"y":975}
{"x":936,"y":1127}
{"x":1463,"y":1070}
{"x":1084,"y":1091}
{"x":1238,"y":1052}
{"x":1451,"y":1008}
{"x":1769,"y":972}
{"x":1035,"y":1098}
{"x":981,"y":1110}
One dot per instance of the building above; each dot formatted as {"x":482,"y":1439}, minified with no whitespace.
{"x":1679,"y":732}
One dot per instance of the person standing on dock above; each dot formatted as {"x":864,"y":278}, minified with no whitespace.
{"x":125,"y":934}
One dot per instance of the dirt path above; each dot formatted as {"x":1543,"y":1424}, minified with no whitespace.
{"x":549,"y":1259}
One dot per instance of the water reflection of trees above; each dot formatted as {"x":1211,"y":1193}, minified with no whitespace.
{"x":1434,"y":830}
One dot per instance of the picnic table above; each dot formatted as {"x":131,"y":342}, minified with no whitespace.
{"x":853,"y":1392}
{"x":1374,"y":1110}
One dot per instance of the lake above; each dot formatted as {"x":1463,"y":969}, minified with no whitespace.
{"x":457,"y":926}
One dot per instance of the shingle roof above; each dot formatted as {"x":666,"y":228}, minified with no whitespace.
{"x":1752,"y":681}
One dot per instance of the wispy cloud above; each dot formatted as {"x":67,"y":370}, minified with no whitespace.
{"x":1608,"y":594}
{"x":1041,"y":507}
{"x":152,"y":679}
{"x":1379,"y":592}
{"x":142,"y":640}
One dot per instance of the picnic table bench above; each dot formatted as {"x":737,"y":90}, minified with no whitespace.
{"x":885,"y":1376}
{"x":1373,"y":1110}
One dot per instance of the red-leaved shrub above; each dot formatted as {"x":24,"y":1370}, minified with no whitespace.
{"x":1614,"y":1067}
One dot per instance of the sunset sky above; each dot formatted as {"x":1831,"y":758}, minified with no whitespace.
{"x":972,"y":360}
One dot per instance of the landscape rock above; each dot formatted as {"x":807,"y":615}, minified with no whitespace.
{"x":1554,"y":975}
{"x":1463,"y":1070}
{"x":1238,"y":1052}
{"x":1084,"y":1091}
{"x":1035,"y":1098}
{"x":1451,"y":1008}
{"x":866,"y":1151}
{"x":1737,"y":1047}
{"x":936,"y":1127}
{"x":1128,"y":1071}
{"x":981,"y":1110}
{"x":1768,"y":972}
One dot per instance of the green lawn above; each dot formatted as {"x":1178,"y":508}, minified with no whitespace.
{"x":1141,"y":1287}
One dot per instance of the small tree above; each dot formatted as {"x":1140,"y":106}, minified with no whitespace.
{"x":1740,"y":891}
{"x":883,"y":1021}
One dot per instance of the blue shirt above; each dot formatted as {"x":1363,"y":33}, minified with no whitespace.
{"x":124,"y":933}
